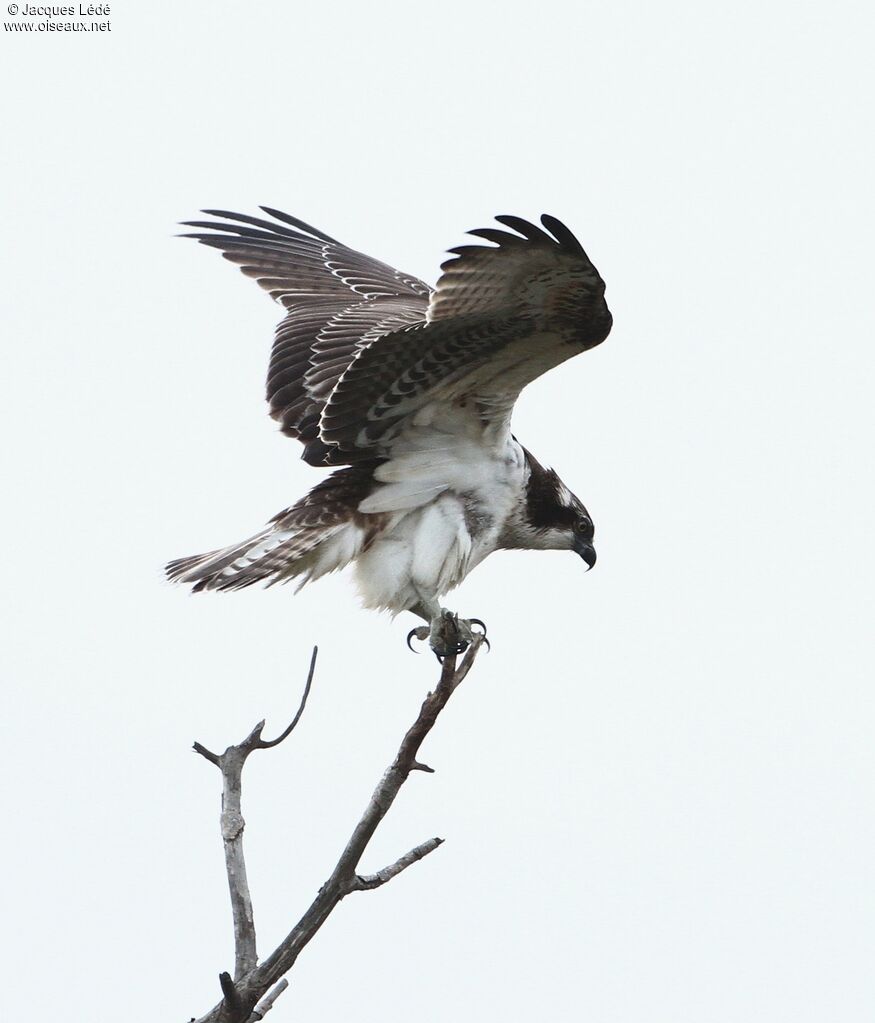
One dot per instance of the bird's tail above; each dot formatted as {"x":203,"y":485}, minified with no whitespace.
{"x":271,"y":556}
{"x":319,"y":534}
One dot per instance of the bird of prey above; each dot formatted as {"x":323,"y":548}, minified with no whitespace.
{"x":408,"y":391}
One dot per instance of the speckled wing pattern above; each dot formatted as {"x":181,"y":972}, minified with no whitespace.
{"x":363,"y":346}
{"x":337,"y":300}
{"x":501,"y":316}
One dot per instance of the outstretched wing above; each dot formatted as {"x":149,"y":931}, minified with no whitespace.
{"x":338,"y":301}
{"x":501,"y":316}
{"x":362,"y":346}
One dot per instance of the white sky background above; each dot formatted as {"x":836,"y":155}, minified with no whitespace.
{"x":657,"y":789}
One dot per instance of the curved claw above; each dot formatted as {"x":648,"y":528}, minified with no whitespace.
{"x":410,"y":636}
{"x":476,"y":621}
{"x":486,"y":643}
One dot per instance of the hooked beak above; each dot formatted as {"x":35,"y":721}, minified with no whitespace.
{"x":587,"y":552}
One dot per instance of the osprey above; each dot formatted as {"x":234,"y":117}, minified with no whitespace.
{"x":409,"y":391}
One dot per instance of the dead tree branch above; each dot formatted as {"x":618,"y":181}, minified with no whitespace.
{"x":266,"y":1003}
{"x":230,"y":763}
{"x":255,"y":988}
{"x":365,"y":882}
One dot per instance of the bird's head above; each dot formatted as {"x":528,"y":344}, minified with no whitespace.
{"x":555,"y":518}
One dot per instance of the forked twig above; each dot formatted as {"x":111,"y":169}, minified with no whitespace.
{"x":230,"y":763}
{"x":254,"y":988}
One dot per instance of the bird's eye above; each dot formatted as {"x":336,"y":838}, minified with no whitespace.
{"x":583,"y":526}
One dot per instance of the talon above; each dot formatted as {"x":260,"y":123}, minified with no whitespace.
{"x":420,"y":632}
{"x":486,"y":643}
{"x":476,"y":621}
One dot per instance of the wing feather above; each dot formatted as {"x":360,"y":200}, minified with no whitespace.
{"x":363,"y":346}
{"x":337,"y":300}
{"x":502,"y":315}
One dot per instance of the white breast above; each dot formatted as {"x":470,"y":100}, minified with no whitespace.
{"x":447,"y":491}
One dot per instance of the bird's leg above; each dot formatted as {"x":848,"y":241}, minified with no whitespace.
{"x":446,"y":632}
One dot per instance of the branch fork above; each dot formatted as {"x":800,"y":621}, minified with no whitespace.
{"x":254,"y":988}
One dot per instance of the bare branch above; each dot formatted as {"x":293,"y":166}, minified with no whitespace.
{"x":245,"y":954}
{"x":204,"y":752}
{"x":264,"y":744}
{"x":252,"y":985}
{"x":231,"y":997}
{"x":230,"y":763}
{"x":266,"y":1003}
{"x":365,"y":882}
